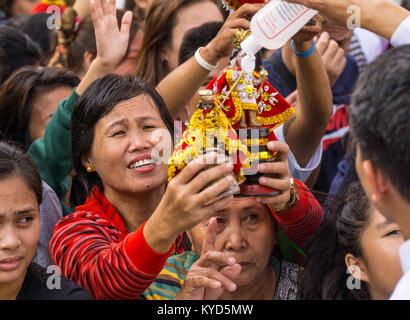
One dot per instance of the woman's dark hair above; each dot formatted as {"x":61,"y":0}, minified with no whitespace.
{"x":17,"y":93}
{"x":19,"y":48}
{"x":99,"y":100}
{"x":159,"y":23}
{"x":4,"y":65}
{"x":325,"y":276}
{"x":15,"y":162}
{"x":35,"y":26}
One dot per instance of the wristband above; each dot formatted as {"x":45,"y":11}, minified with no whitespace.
{"x":203,"y":63}
{"x":294,"y":198}
{"x":306,"y":53}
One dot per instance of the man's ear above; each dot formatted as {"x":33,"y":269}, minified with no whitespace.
{"x":356,"y":267}
{"x":378,"y":184}
{"x":88,"y":58}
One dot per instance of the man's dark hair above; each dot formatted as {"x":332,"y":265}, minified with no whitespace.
{"x":200,"y":37}
{"x":196,"y":38}
{"x":380,"y":116}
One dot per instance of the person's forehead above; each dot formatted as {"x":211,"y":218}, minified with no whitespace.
{"x":141,"y":105}
{"x":239,"y":204}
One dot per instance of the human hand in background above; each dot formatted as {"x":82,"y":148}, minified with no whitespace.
{"x":333,"y":56}
{"x":112,"y":41}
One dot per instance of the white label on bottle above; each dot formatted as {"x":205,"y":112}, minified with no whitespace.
{"x":287,"y":14}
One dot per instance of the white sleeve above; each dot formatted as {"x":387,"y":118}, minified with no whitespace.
{"x":401,"y":36}
{"x":296,"y":171}
{"x":402,"y":289}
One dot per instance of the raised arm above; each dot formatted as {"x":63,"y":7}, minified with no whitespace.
{"x":379,"y":16}
{"x":304,"y":132}
{"x":112,"y":42}
{"x":181,"y":84}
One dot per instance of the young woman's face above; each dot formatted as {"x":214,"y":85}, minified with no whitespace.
{"x":189,"y":17}
{"x":23,"y":7}
{"x":380,"y":244}
{"x":246,"y":230}
{"x":125,"y":148}
{"x":19,"y":229}
{"x":43,"y":106}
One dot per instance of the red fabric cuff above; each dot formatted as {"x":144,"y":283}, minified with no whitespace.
{"x":299,"y":210}
{"x":142,"y":255}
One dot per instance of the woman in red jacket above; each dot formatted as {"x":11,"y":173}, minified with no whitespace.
{"x":117,"y":243}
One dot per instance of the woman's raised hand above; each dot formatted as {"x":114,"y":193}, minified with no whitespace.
{"x":112,"y":42}
{"x":191,"y":197}
{"x":204,"y":281}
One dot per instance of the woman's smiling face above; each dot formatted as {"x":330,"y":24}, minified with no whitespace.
{"x":125,"y":147}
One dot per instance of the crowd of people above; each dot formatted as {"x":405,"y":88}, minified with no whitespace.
{"x":92,"y":110}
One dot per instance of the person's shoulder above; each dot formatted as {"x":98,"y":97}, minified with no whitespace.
{"x":288,"y":281}
{"x":48,"y":284}
{"x":171,"y":278}
{"x":68,"y":290}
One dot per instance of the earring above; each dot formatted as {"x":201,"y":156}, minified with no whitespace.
{"x":89,"y":169}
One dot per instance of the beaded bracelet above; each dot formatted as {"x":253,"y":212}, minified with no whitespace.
{"x":306,"y":53}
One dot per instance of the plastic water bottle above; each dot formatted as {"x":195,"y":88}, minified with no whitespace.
{"x":272,"y":27}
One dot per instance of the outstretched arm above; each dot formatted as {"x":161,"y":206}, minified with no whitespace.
{"x":379,"y":16}
{"x":313,"y":107}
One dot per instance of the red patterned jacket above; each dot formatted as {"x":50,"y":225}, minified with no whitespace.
{"x":92,"y":246}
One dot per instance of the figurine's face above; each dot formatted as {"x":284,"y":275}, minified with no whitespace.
{"x":192,"y":105}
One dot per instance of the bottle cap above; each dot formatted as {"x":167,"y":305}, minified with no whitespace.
{"x":249,"y":45}
{"x":248,"y":63}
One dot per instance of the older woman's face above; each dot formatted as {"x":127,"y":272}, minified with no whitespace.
{"x":246,"y":230}
{"x":188,"y":17}
{"x":124,"y":151}
{"x":19,"y":229}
